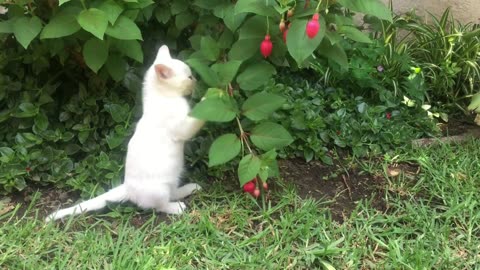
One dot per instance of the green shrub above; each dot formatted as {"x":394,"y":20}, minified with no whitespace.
{"x":98,"y":42}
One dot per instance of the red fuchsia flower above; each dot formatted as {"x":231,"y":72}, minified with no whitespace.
{"x":388,"y":115}
{"x":266,"y":46}
{"x":249,"y":187}
{"x":313,"y":26}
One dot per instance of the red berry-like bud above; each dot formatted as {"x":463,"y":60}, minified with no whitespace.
{"x":281,"y":25}
{"x":256,"y":193}
{"x":266,"y":46}
{"x":313,"y":26}
{"x":249,"y":187}
{"x":265,"y":186}
{"x":388,"y":115}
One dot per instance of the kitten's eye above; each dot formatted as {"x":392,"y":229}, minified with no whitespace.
{"x":191,"y":77}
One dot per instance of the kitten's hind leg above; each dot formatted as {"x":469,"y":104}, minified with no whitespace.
{"x":184,"y":191}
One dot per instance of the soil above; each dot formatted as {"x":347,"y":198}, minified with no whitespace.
{"x":340,"y":187}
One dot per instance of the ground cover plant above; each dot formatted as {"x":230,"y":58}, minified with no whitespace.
{"x":424,"y":216}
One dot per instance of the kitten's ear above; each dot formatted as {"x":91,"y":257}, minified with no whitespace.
{"x":163,"y":53}
{"x":163,"y":71}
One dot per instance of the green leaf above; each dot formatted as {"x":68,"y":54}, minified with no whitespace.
{"x":268,"y":135}
{"x":231,"y":19}
{"x":26,"y":29}
{"x":41,"y":121}
{"x":179,"y":6}
{"x":130,"y":48}
{"x":255,"y":6}
{"x":209,"y":48}
{"x":205,"y":72}
{"x":184,"y":19}
{"x":124,"y":29}
{"x":243,"y":49}
{"x":95,"y":53}
{"x":224,"y":149}
{"x":334,"y":52}
{"x":6,"y":27}
{"x":64,"y":23}
{"x":61,"y":2}
{"x":162,"y":13}
{"x":112,"y":9}
{"x":215,"y":93}
{"x":370,"y":7}
{"x":354,"y":34}
{"x":261,"y":105}
{"x":255,"y":75}
{"x":116,"y":67}
{"x":475,"y":103}
{"x":93,"y":20}
{"x":248,"y":168}
{"x":118,"y":112}
{"x":226,"y":71}
{"x":26,"y":109}
{"x":215,"y":110}
{"x":299,"y":45}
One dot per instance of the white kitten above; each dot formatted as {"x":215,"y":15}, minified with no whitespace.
{"x":155,"y":152}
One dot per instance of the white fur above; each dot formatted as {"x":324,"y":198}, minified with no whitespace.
{"x":155,"y":152}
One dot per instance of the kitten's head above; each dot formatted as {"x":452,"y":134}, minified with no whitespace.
{"x":172,"y":76}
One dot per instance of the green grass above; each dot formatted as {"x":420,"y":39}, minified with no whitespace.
{"x":432,"y":222}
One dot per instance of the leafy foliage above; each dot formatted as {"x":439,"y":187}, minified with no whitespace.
{"x":100,"y":42}
{"x":322,"y":117}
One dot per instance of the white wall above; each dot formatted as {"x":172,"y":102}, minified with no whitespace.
{"x":463,"y":10}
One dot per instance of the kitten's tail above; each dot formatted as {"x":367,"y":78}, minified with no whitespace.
{"x":118,"y":194}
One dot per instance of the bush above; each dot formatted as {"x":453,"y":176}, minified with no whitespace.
{"x":96,"y":42}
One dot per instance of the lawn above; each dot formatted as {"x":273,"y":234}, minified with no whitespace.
{"x":421,"y":212}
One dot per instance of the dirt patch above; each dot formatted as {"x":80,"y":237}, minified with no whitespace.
{"x":342,"y":188}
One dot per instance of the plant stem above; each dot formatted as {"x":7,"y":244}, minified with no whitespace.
{"x":318,"y":6}
{"x":243,"y":135}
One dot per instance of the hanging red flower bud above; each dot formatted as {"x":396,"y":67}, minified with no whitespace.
{"x":249,"y":187}
{"x":266,"y":46}
{"x":313,"y":26}
{"x":281,"y":25}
